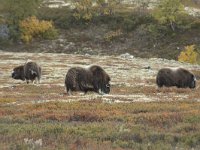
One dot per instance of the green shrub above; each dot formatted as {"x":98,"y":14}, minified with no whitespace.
{"x":136,"y":18}
{"x":86,"y":11}
{"x":14,"y":32}
{"x":50,"y":34}
{"x":195,"y":24}
{"x":169,"y":13}
{"x":83,"y":10}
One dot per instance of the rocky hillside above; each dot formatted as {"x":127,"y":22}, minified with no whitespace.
{"x":133,"y":79}
{"x":145,"y":39}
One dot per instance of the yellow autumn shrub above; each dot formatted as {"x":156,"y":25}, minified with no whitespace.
{"x":31,"y":28}
{"x":188,"y":55}
{"x":112,"y":35}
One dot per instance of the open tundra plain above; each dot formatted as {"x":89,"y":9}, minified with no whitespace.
{"x":135,"y":115}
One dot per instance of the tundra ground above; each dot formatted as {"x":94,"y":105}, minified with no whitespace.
{"x":135,"y":115}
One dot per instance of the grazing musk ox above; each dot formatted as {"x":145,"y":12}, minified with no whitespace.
{"x":29,"y":71}
{"x":93,"y":78}
{"x":179,"y":77}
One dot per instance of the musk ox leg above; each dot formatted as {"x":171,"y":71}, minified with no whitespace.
{"x":69,"y":92}
{"x":27,"y":81}
{"x":85,"y":92}
{"x":160,"y":85}
{"x":33,"y":81}
{"x":38,"y":81}
{"x":101,"y":92}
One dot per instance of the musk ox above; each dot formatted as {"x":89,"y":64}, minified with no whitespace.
{"x":179,"y":77}
{"x":30,"y":71}
{"x":93,"y":78}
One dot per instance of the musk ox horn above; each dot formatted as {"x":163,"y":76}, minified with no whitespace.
{"x":30,"y":71}
{"x":93,"y":78}
{"x":179,"y":77}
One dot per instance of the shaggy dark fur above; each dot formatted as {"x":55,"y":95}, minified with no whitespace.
{"x":18,"y":73}
{"x":93,"y":78}
{"x":29,"y":71}
{"x":180,"y":78}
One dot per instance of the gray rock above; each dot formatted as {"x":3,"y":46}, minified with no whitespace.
{"x":69,"y":45}
{"x":61,"y":40}
{"x":127,"y":56}
{"x":87,"y":54}
{"x":88,"y":50}
{"x":4,"y":32}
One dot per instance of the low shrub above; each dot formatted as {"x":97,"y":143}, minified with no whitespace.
{"x":83,"y":10}
{"x":112,"y":35}
{"x":31,"y":28}
{"x":189,"y":55}
{"x":195,"y":24}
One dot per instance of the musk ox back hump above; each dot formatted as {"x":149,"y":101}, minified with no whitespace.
{"x":93,"y":78}
{"x":179,"y":77}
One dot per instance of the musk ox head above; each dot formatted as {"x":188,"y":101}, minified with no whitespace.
{"x":30,"y":71}
{"x":93,"y":78}
{"x":179,"y":77}
{"x":18,"y":73}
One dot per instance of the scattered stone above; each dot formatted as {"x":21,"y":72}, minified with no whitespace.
{"x":61,"y":45}
{"x":61,"y":40}
{"x":127,"y":56}
{"x":193,"y":11}
{"x":88,"y":50}
{"x":50,"y":47}
{"x":87,"y":54}
{"x":69,"y":45}
{"x":148,"y":67}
